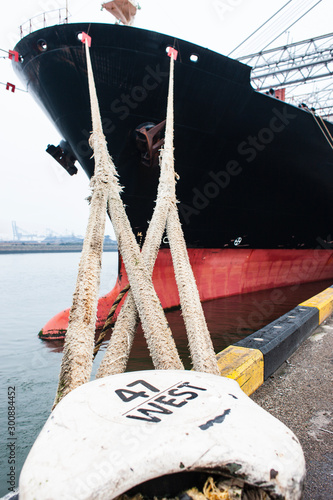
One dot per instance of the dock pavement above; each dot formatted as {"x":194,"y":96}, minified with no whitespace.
{"x":300,"y":394}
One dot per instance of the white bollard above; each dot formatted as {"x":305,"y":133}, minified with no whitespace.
{"x":114,"y":433}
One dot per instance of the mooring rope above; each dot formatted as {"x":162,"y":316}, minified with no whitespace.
{"x":142,"y":301}
{"x":79,"y":344}
{"x":327,"y":134}
{"x":78,"y":351}
{"x":200,"y":344}
{"x":165,"y":212}
{"x":156,"y":329}
{"x":109,"y":323}
{"x":127,"y":322}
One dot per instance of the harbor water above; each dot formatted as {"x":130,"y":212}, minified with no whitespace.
{"x":34,"y":287}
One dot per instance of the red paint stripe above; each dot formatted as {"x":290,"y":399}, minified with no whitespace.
{"x":220,"y":273}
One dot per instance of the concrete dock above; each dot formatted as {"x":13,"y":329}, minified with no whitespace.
{"x":300,"y":395}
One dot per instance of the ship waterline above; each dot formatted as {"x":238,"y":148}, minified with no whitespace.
{"x":218,"y":273}
{"x":256,"y":174}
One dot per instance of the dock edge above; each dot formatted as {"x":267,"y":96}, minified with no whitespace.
{"x":253,"y":359}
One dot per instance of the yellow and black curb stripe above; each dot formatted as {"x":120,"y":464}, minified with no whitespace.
{"x":253,"y":359}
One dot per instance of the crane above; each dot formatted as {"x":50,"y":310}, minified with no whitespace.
{"x":304,"y":69}
{"x":19,"y":233}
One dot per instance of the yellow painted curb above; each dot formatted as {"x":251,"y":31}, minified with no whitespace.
{"x":323,"y":302}
{"x":244,"y":365}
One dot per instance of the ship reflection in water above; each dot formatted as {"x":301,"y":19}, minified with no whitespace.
{"x":229,"y":319}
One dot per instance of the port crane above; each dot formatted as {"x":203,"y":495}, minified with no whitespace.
{"x":19,"y":234}
{"x":299,"y":73}
{"x":304,"y":69}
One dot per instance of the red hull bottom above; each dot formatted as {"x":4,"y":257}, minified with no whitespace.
{"x":219,"y":273}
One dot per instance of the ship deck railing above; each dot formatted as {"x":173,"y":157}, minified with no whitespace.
{"x":43,"y":20}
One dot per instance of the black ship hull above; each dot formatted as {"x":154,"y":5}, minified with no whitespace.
{"x":254,"y":171}
{"x":256,"y":174}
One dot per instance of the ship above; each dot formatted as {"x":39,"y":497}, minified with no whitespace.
{"x":255,"y":173}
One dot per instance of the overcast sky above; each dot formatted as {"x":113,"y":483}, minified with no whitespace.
{"x":35,"y":191}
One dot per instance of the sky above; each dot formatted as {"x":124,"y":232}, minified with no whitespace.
{"x":34,"y":190}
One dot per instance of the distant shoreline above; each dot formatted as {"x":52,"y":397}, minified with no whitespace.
{"x":35,"y":247}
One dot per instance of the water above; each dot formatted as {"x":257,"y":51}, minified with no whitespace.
{"x":34,"y":287}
